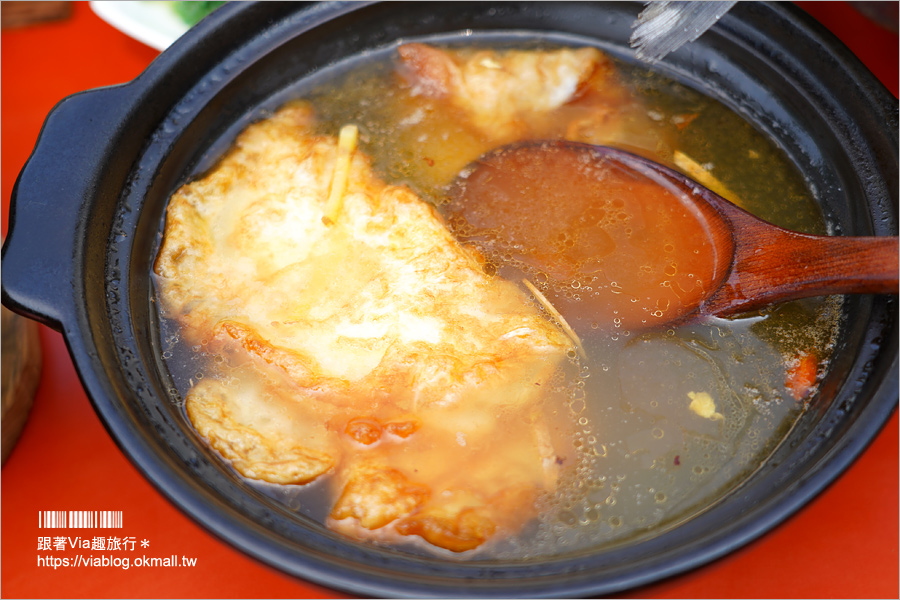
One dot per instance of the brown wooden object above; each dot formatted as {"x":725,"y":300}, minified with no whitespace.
{"x":21,"y":372}
{"x":20,"y":14}
{"x":549,"y":205}
{"x":769,"y":264}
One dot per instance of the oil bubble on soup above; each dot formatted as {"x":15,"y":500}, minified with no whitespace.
{"x":449,"y":379}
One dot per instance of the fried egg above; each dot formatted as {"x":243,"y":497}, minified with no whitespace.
{"x":366,"y":345}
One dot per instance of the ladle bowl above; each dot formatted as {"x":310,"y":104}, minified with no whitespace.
{"x":644,"y":243}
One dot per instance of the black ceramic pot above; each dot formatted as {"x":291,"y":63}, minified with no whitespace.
{"x":107,"y":160}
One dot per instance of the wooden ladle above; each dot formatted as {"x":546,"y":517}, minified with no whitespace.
{"x":615,"y":237}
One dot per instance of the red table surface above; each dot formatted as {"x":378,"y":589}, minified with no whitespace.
{"x":842,"y":545}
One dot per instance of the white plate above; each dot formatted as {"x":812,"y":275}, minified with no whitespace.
{"x":153,"y":23}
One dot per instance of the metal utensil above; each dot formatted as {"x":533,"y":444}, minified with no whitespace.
{"x":663,"y":27}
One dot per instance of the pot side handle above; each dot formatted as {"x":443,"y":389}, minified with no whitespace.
{"x":43,"y":256}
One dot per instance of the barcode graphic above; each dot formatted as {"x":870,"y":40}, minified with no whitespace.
{"x":80,"y":519}
{"x":52,"y":519}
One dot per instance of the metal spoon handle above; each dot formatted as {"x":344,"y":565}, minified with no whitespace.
{"x":663,"y":27}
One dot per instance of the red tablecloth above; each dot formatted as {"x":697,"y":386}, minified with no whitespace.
{"x":843,"y":545}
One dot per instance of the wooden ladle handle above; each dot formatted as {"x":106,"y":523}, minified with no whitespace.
{"x":772,"y":265}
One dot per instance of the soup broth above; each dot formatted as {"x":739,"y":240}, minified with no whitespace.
{"x":660,"y":423}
